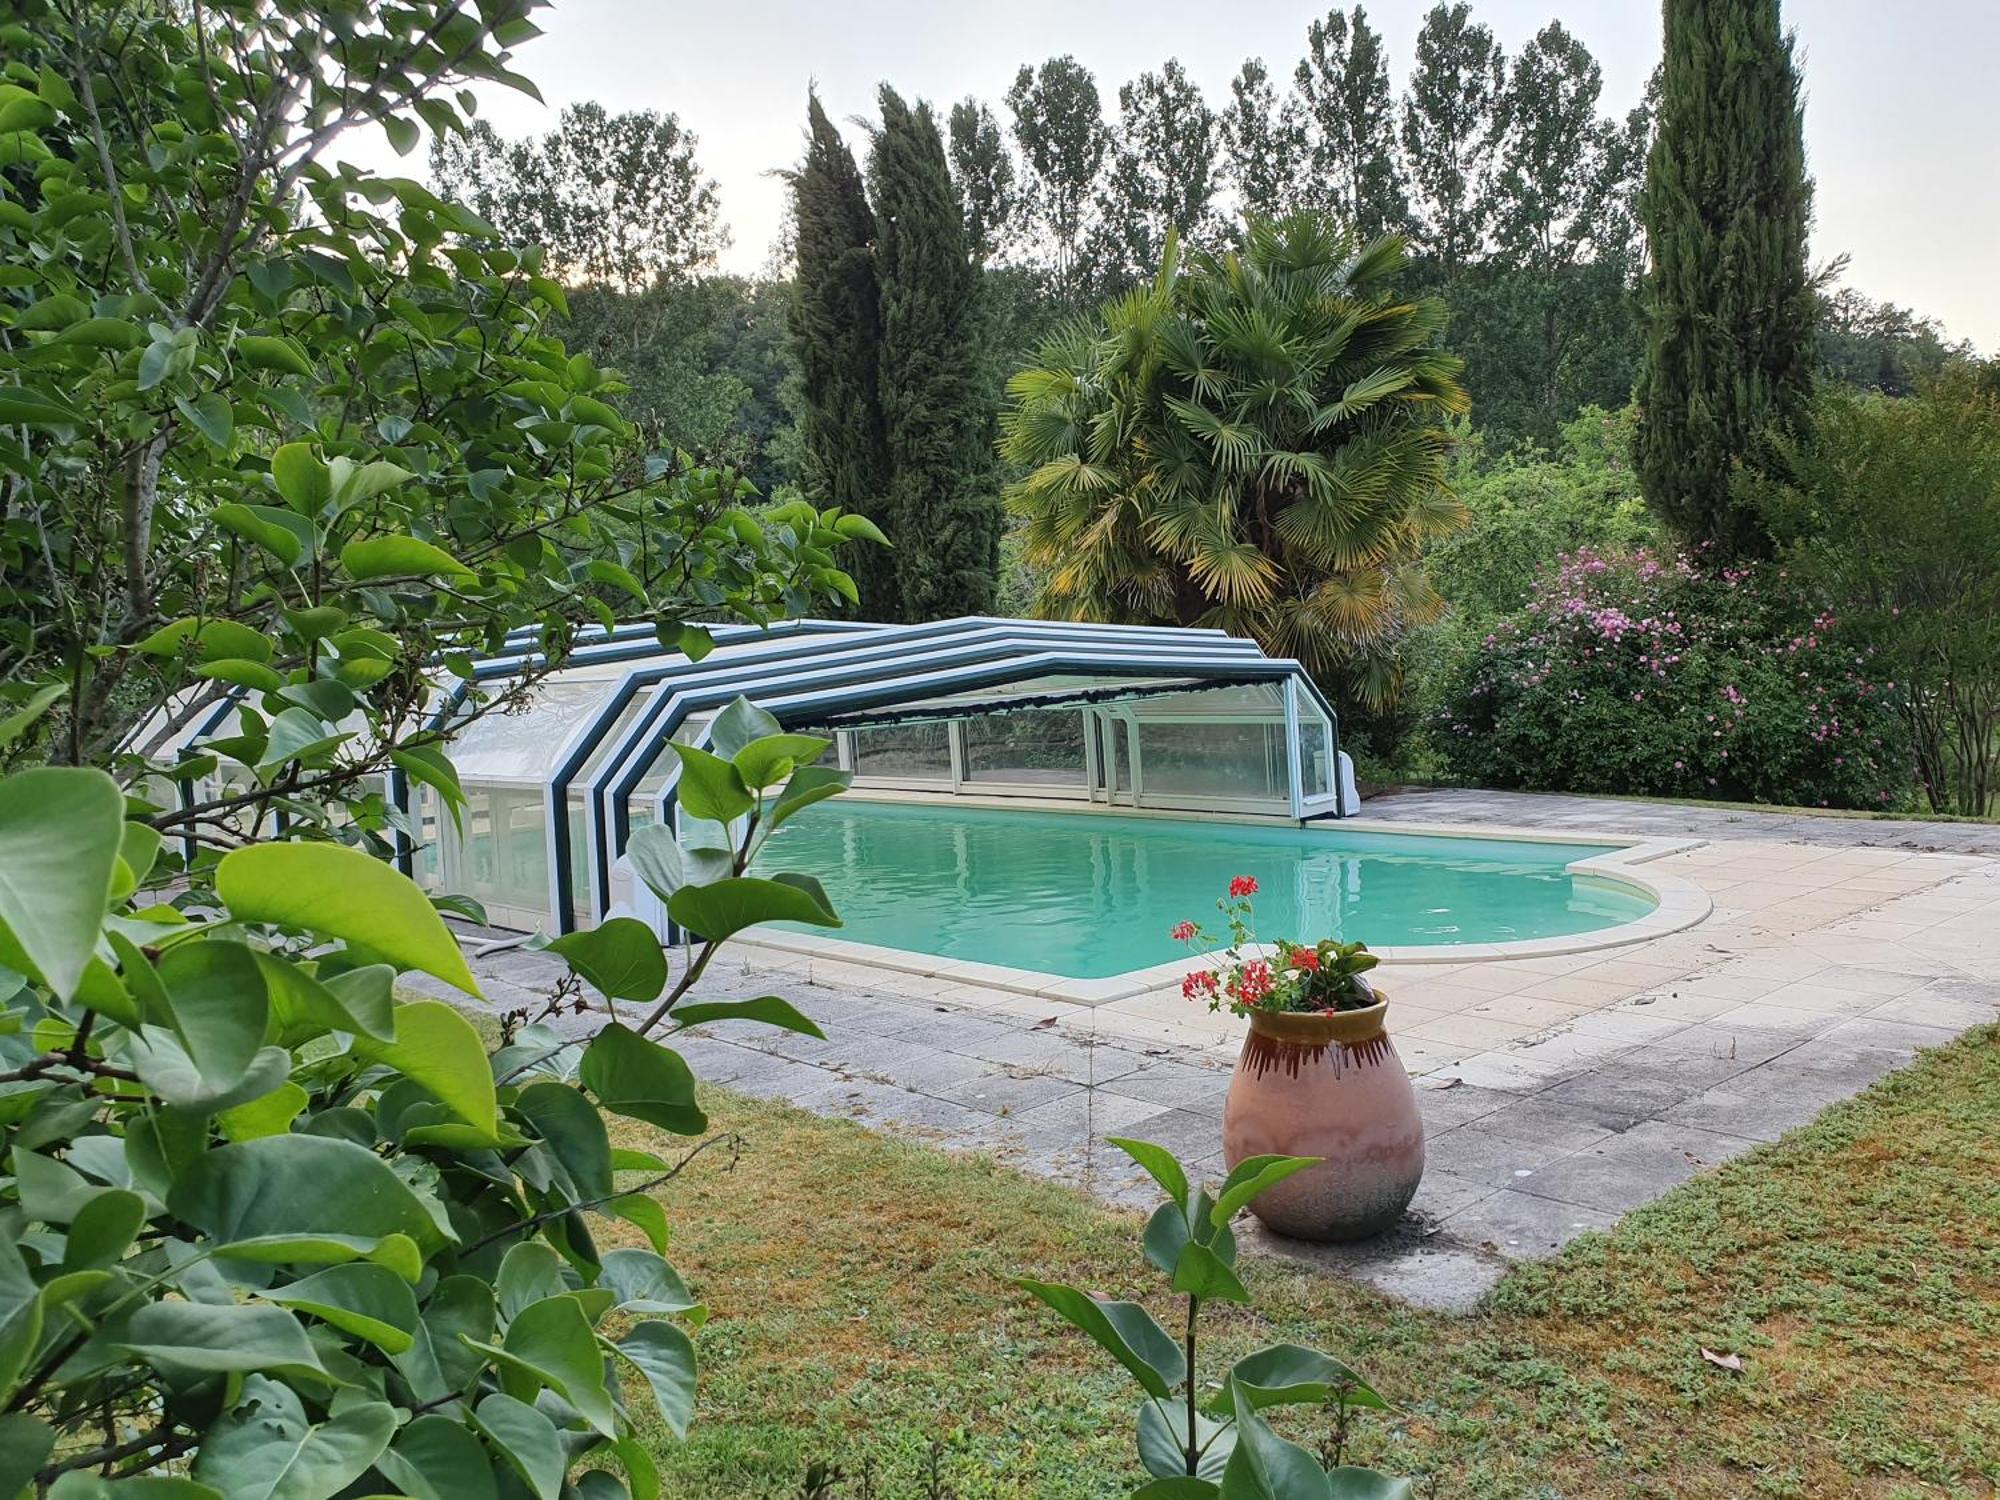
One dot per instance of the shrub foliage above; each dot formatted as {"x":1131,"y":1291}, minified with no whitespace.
{"x":1637,"y":674}
{"x":273,"y":1228}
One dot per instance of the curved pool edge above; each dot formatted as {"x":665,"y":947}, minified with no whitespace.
{"x":1678,"y":904}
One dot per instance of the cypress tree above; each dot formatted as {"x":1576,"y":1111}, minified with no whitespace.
{"x":836,"y":328}
{"x":943,"y":508}
{"x":1728,"y":302}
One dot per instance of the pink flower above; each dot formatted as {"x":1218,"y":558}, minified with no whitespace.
{"x":1243,"y":885}
{"x":1183,"y":932}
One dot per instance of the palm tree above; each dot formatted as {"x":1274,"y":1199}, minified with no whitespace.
{"x":1256,"y":442}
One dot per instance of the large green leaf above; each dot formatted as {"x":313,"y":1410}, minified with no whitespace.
{"x":266,"y":1448}
{"x":22,"y":1312}
{"x":656,"y":857}
{"x":552,"y":1342}
{"x":739,"y":725}
{"x":325,"y":1248}
{"x":79,"y":1485}
{"x":725,"y":907}
{"x":398,"y":557}
{"x":437,"y":1047}
{"x":530,"y":1271}
{"x":25,"y":1444}
{"x":20,"y":407}
{"x":221,"y":640}
{"x":664,"y":1354}
{"x":710,"y":787}
{"x":642,"y":1282}
{"x":808,"y":784}
{"x":342,"y":893}
{"x":270,"y":1115}
{"x":458,"y":1316}
{"x":355,"y":484}
{"x":1166,"y":1233}
{"x":768,"y":761}
{"x":261,"y":352}
{"x":767,"y":1009}
{"x":357,"y":1000}
{"x":279,"y":532}
{"x":219,"y":1006}
{"x":1125,"y":1330}
{"x":1263,"y":1466}
{"x":60,"y":830}
{"x":1287,"y":1374}
{"x":633,"y":1076}
{"x":1250,"y":1177}
{"x":22,"y":719}
{"x":185,"y":1340}
{"x":527,"y":1440}
{"x":1163,"y":1441}
{"x":435,"y":1458}
{"x":166,"y":1068}
{"x":102,"y":1230}
{"x":368,"y":1301}
{"x":302,"y":479}
{"x":621,"y":958}
{"x":1201,"y":1273}
{"x":573,"y":1129}
{"x":1160,"y":1165}
{"x":300,"y":1185}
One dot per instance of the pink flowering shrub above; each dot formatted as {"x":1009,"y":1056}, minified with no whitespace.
{"x":1643,"y":674}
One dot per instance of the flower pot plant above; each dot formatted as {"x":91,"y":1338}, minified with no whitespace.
{"x":1318,"y":1076}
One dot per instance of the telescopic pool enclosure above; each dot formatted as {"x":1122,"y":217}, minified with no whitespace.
{"x":1106,"y":716}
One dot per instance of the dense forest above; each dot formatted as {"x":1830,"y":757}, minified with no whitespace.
{"x":1514,"y":183}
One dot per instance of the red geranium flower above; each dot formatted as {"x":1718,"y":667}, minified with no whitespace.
{"x":1243,"y":885}
{"x":1306,"y":960}
{"x":1183,"y":932}
{"x":1198,"y":985}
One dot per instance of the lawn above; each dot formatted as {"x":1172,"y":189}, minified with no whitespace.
{"x":864,"y":1317}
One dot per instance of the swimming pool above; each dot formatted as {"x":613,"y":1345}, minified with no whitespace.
{"x":1090,"y":895}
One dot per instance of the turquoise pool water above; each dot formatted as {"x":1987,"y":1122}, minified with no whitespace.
{"x":1087,"y":895}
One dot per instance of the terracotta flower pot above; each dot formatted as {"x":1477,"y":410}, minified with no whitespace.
{"x":1329,"y":1086}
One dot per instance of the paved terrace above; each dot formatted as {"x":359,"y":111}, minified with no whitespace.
{"x":1558,"y":1092}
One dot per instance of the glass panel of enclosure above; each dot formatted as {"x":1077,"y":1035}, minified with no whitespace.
{"x":1039,"y":747}
{"x":1315,"y":752}
{"x":903,"y":753}
{"x":522,"y":744}
{"x":502,"y":856}
{"x":427,"y":859}
{"x":1226,"y":761}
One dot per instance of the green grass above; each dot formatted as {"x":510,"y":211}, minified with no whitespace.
{"x":864,"y":1315}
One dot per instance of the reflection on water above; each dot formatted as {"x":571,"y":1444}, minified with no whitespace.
{"x":1088,"y":895}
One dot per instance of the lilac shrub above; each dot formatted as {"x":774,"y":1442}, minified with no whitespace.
{"x":1647,"y":675}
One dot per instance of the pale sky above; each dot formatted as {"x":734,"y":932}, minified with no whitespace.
{"x":1898,"y":108}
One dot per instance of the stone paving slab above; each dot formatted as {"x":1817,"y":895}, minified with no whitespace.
{"x":1554,"y":810}
{"x":1607,"y":1079}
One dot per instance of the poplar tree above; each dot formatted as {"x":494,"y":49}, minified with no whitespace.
{"x":836,"y":329}
{"x":1343,"y":88}
{"x":1261,"y":142}
{"x":1059,"y":126}
{"x":984,"y":172}
{"x":943,"y":507}
{"x":1164,"y":176}
{"x":1450,"y":119}
{"x":1729,"y":302}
